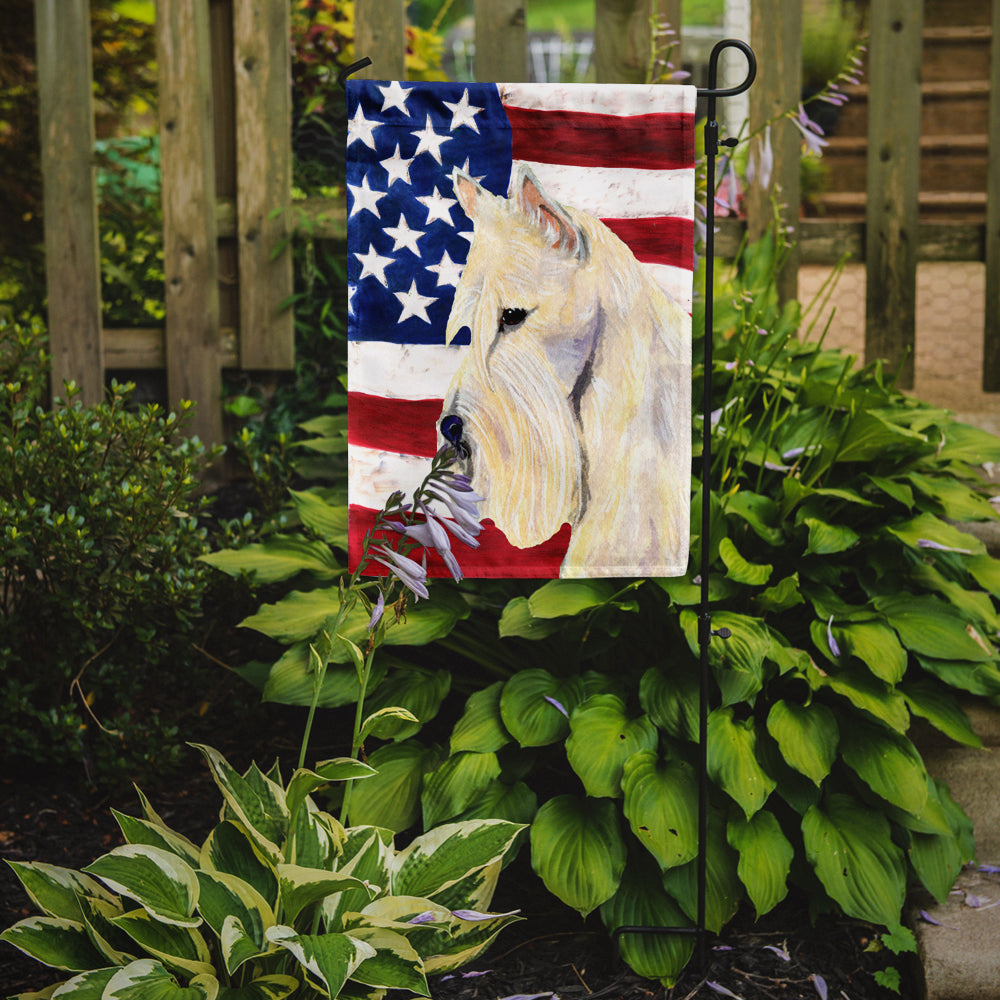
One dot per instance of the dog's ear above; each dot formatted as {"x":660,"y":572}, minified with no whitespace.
{"x":548,"y":213}
{"x":467,"y":191}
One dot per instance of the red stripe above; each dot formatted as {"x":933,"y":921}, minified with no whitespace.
{"x":495,"y":557}
{"x":405,"y":426}
{"x":585,"y":139}
{"x":657,"y":239}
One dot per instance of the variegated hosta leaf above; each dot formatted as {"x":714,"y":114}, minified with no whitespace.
{"x":888,"y":763}
{"x":54,"y":941}
{"x":535,"y":706}
{"x":273,"y":987}
{"x":642,"y":902}
{"x":476,"y":890}
{"x":141,"y":831}
{"x":732,"y":760}
{"x":481,"y":727}
{"x":300,"y":887}
{"x":86,"y":986}
{"x":456,"y":784}
{"x":304,"y":782}
{"x":807,"y":736}
{"x":147,"y":979}
{"x":466,"y":941}
{"x":315,"y":838}
{"x":850,"y":847}
{"x":602,"y":737}
{"x":441,"y":857}
{"x":226,"y":897}
{"x":230,"y":849}
{"x":329,"y":959}
{"x":661,"y":799}
{"x":765,"y":858}
{"x":367,"y":853}
{"x":395,"y":964}
{"x":158,"y":880}
{"x":56,"y":891}
{"x":177,"y":947}
{"x":578,"y":851}
{"x":256,"y":801}
{"x":116,"y":946}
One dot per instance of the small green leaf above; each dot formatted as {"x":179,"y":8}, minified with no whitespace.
{"x":327,"y":520}
{"x":765,"y":858}
{"x":827,"y":539}
{"x":391,"y":798}
{"x":279,"y":558}
{"x":535,"y":706}
{"x":481,"y":727}
{"x":740,"y":570}
{"x":559,"y":598}
{"x":732,"y":760}
{"x":888,"y":763}
{"x":456,"y":784}
{"x":517,"y":620}
{"x":936,"y":704}
{"x":930,"y":627}
{"x":670,"y":698}
{"x":807,"y":736}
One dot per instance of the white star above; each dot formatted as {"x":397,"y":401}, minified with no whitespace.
{"x":360,"y":128}
{"x":351,"y":289}
{"x":463,"y":113}
{"x":465,"y":170}
{"x":438,"y":207}
{"x":414,"y":304}
{"x":364,"y":197}
{"x":447,"y":271}
{"x":374,"y":264}
{"x":404,"y":236}
{"x":395,"y":97}
{"x":469,"y":235}
{"x":430,"y":141}
{"x":397,"y":168}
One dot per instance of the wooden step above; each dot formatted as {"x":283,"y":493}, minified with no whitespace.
{"x":957,"y":206}
{"x":944,"y":104}
{"x":956,"y":53}
{"x":940,"y":13}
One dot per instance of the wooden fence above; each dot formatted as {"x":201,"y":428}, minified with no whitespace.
{"x":226,"y":160}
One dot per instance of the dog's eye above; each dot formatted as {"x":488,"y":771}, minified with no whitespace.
{"x":512,"y":317}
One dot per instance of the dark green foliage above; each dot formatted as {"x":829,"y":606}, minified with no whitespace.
{"x":99,"y":539}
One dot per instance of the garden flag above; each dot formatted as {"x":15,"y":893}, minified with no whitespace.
{"x":520,"y":268}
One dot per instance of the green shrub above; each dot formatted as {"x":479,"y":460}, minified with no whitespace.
{"x":99,"y":541}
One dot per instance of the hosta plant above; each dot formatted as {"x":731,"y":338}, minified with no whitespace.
{"x":279,"y":900}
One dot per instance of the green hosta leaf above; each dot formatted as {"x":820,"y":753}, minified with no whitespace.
{"x":56,"y":891}
{"x":274,"y":987}
{"x":301,"y":887}
{"x":928,"y":528}
{"x":180,"y":948}
{"x":456,"y":784}
{"x":671,"y":699}
{"x":225,"y":897}
{"x":578,"y":851}
{"x":941,"y":709}
{"x":230,"y":849}
{"x":279,"y":558}
{"x":684,"y":592}
{"x":986,"y":571}
{"x":395,"y":964}
{"x":159,"y":881}
{"x":327,"y":520}
{"x":481,"y":728}
{"x":893,"y":488}
{"x":261,"y":809}
{"x":888,"y":763}
{"x":558,"y":598}
{"x":641,"y":901}
{"x":957,"y":501}
{"x":602,"y":738}
{"x":723,"y":889}
{"x":876,"y":646}
{"x":965,"y":443}
{"x":850,"y":847}
{"x":516,"y":803}
{"x":385,"y":723}
{"x":517,"y":620}
{"x":391,"y":798}
{"x":732,"y":760}
{"x":870,"y":435}
{"x":415,"y":689}
{"x":864,"y":692}
{"x":783,"y":595}
{"x":807,"y":736}
{"x":528,"y":710}
{"x":827,"y":539}
{"x":661,"y":798}
{"x":331,"y":959}
{"x":147,"y":979}
{"x":438,"y":859}
{"x":932,"y":628}
{"x":976,"y":678}
{"x":976,"y":605}
{"x":738,"y":661}
{"x":937,"y":860}
{"x":292,"y":680}
{"x":765,"y":858}
{"x":141,"y":831}
{"x":758,"y":511}
{"x":54,"y":941}
{"x":752,"y":574}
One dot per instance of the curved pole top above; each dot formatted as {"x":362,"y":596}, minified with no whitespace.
{"x":713,"y":69}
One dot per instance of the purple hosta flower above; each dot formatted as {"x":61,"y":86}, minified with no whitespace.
{"x":719,"y":988}
{"x":728,"y":195}
{"x":558,"y":705}
{"x":427,"y":917}
{"x":780,"y":952}
{"x":820,"y":983}
{"x":377,"y":612}
{"x":531,"y":996}
{"x":811,"y":132}
{"x":928,"y":543}
{"x":460,"y":501}
{"x":761,"y":163}
{"x":411,"y":574}
{"x":927,"y":918}
{"x":475,"y":915}
{"x":465,"y":975}
{"x":989,"y":869}
{"x":834,"y":648}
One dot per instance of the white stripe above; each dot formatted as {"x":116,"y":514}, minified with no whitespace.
{"x":617,"y":192}
{"x":403,"y":371}
{"x":675,"y":281}
{"x":373,"y":475}
{"x":606,"y":99}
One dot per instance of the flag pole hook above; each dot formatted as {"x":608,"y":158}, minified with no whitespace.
{"x":354,"y":67}
{"x":705,"y":630}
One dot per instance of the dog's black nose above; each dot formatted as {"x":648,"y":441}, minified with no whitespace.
{"x":451,"y":431}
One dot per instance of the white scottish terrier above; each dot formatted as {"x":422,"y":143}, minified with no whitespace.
{"x":573,"y":401}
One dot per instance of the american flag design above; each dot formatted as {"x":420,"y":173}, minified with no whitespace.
{"x":623,"y":154}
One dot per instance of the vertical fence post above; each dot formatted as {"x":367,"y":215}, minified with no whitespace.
{"x":501,"y":40}
{"x":776,"y":34}
{"x":380,"y":34}
{"x":991,"y":332}
{"x":72,"y":256}
{"x":621,"y":40}
{"x":262,"y":61}
{"x":893,"y":183}
{"x":190,"y":252}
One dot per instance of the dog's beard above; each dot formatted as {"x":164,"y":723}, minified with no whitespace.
{"x":526,"y":456}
